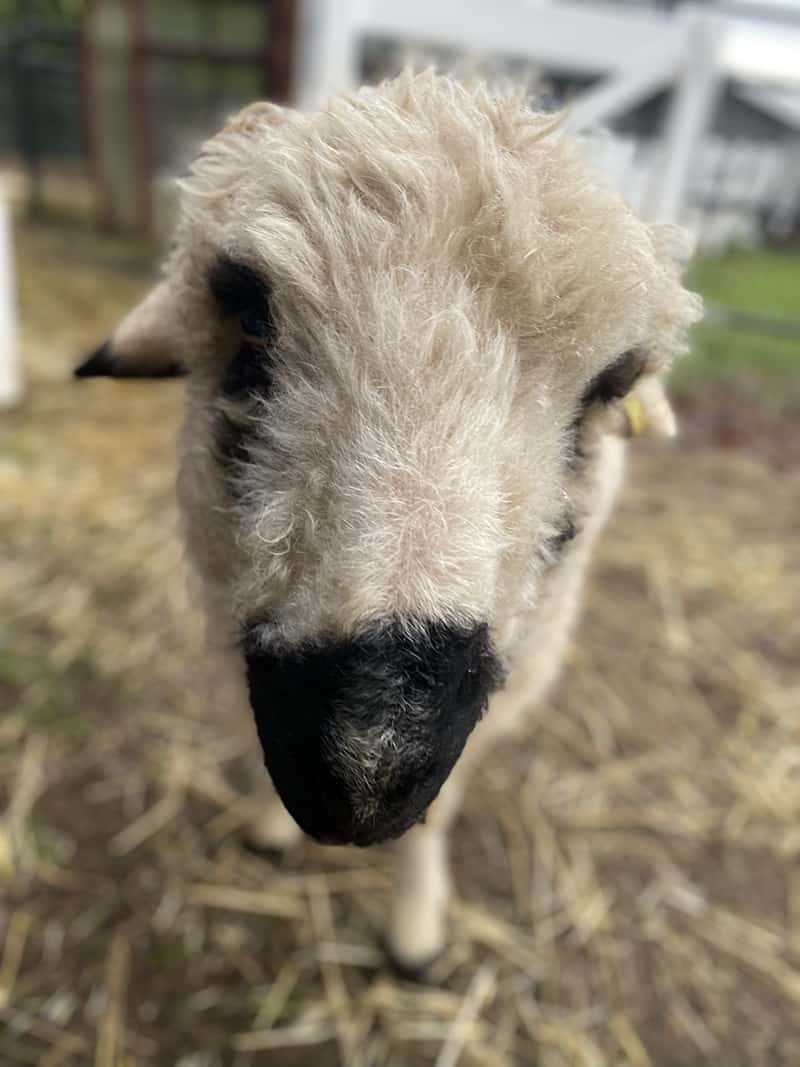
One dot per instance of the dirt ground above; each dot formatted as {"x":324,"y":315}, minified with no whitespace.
{"x":628,"y":889}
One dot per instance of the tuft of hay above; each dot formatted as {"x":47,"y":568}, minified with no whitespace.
{"x":627,"y":867}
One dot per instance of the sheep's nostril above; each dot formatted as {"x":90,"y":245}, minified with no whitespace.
{"x":360,"y":735}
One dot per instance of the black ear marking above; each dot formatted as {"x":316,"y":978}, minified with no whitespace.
{"x":97,"y":365}
{"x":103,"y":364}
{"x":617,"y":380}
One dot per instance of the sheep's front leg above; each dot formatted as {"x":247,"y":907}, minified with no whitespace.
{"x":270,"y":829}
{"x":420,"y":891}
{"x":421,"y":884}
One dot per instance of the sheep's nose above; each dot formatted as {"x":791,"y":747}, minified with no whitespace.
{"x":359,"y":735}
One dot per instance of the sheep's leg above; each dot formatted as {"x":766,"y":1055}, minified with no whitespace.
{"x":271,"y":828}
{"x":420,"y":890}
{"x":421,"y":882}
{"x":421,"y":887}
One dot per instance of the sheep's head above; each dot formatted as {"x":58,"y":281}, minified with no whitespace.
{"x":407,"y":322}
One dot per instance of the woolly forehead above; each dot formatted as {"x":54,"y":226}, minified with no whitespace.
{"x":374,"y":215}
{"x":435,"y":294}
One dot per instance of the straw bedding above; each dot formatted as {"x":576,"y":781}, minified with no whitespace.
{"x":628,"y":867}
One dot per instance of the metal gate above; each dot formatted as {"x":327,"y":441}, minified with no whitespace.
{"x":119,"y":91}
{"x":40,"y":90}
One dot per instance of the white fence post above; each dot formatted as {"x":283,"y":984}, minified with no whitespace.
{"x":326,"y":57}
{"x":689,"y":116}
{"x":10,"y":373}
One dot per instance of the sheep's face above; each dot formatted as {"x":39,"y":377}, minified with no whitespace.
{"x":406,"y":322}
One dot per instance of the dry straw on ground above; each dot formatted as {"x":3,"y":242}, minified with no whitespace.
{"x":627,"y":870}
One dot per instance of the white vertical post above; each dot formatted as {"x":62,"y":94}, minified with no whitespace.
{"x":10,"y":372}
{"x":689,"y":116}
{"x":326,"y":53}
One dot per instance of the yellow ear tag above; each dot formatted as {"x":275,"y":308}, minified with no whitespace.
{"x":635,"y":413}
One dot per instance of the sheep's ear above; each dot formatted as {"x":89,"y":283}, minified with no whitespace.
{"x":647,"y":411}
{"x":106,"y":362}
{"x":146,"y":343}
{"x":143,"y":345}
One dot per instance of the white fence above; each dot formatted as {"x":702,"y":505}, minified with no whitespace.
{"x":10,"y":375}
{"x":725,"y":192}
{"x":639,"y":51}
{"x":736,"y":193}
{"x":577,"y":37}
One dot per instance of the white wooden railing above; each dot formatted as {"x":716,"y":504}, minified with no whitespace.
{"x":639,"y":52}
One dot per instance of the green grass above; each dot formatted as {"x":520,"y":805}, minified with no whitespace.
{"x":763,"y":281}
{"x":768,"y":368}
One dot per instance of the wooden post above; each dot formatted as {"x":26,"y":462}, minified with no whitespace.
{"x":280,"y":50}
{"x":104,"y":208}
{"x":139,"y":102}
{"x":10,"y":371}
{"x":115,"y":138}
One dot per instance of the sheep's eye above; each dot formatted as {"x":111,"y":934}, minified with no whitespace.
{"x":240,"y":291}
{"x":255,"y":323}
{"x":615,"y":381}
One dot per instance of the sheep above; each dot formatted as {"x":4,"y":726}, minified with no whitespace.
{"x":416,"y":333}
